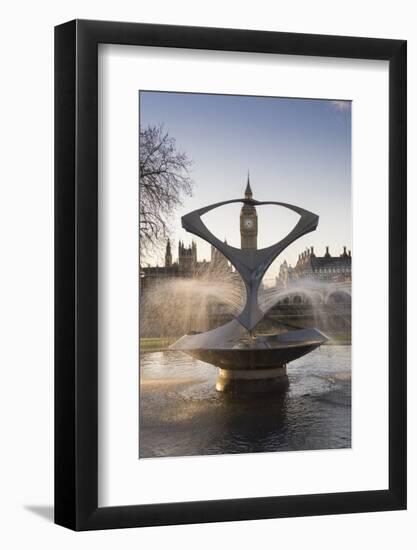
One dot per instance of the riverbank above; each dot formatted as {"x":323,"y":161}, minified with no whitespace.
{"x":155,"y":344}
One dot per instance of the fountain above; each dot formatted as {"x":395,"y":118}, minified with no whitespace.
{"x":247,"y":361}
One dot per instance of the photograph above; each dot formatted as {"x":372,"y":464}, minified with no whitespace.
{"x":245,"y":274}
{"x":208,"y":334}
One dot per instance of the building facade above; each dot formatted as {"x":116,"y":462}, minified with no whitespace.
{"x":327,"y":268}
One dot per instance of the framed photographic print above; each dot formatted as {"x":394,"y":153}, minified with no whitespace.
{"x":230,"y":275}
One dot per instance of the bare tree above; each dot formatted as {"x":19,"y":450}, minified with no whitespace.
{"x":164,"y":182}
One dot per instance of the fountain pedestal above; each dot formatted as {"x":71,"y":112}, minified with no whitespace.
{"x":248,"y":381}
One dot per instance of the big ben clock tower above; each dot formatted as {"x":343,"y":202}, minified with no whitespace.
{"x":248,"y":223}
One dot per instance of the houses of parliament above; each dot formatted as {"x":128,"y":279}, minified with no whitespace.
{"x":187,"y":264}
{"x":309,"y":266}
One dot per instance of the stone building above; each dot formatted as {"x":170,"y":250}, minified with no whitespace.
{"x":327,"y":268}
{"x":185,"y":266}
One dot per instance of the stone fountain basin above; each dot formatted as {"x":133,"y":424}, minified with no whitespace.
{"x":231,"y":347}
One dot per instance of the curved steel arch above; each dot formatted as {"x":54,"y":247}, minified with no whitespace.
{"x":251,"y":264}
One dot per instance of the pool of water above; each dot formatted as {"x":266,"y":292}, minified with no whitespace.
{"x":182,"y":414}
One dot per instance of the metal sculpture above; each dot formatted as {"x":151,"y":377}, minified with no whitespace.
{"x":243,"y":359}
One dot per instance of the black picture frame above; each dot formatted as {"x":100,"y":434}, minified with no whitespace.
{"x":76,"y":272}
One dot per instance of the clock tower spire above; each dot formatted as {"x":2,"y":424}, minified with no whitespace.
{"x":248,"y":222}
{"x":248,"y":190}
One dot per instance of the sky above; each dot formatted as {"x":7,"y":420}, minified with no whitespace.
{"x":297,"y":151}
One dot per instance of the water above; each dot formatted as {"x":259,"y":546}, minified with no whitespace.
{"x":181,"y":413}
{"x":177,"y":306}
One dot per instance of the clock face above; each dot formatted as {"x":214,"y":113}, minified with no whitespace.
{"x":248,"y":224}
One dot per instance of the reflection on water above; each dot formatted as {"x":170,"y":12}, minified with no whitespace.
{"x":181,"y":413}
